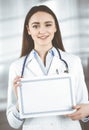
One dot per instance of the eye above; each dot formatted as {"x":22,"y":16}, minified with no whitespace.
{"x":48,"y":25}
{"x":35,"y":26}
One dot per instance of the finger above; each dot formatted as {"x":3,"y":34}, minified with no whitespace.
{"x":17,"y":77}
{"x":16,"y":80}
{"x":17,"y":84}
{"x":77,"y":107}
{"x":77,"y":117}
{"x":73,"y":114}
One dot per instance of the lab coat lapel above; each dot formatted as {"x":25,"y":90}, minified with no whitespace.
{"x":34,"y":67}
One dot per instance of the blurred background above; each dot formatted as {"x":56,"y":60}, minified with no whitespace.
{"x":73,"y":17}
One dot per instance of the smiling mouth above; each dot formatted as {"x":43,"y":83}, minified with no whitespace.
{"x":43,"y":37}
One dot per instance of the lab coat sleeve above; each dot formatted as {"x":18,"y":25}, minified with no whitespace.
{"x":12,"y":114}
{"x":81,"y":88}
{"x":86,"y":119}
{"x":81,"y":91}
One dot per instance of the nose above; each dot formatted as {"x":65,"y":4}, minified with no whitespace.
{"x":42,"y":30}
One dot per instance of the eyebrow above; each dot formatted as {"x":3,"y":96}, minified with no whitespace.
{"x":45,"y":22}
{"x":35,"y":23}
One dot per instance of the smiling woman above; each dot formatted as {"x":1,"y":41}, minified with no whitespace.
{"x":40,"y":19}
{"x":42,"y":28}
{"x":41,"y":46}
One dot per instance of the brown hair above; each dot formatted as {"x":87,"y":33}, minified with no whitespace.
{"x":27,"y":41}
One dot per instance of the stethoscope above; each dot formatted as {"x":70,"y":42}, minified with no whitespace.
{"x":60,"y":57}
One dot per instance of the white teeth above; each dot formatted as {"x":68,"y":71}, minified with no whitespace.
{"x":43,"y":37}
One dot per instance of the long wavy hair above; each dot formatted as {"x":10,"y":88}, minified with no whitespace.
{"x":27,"y":41}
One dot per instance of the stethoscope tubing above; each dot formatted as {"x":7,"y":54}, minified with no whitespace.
{"x":67,"y":68}
{"x":23,"y":67}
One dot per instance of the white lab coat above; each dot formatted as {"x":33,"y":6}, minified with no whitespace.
{"x":32,"y":68}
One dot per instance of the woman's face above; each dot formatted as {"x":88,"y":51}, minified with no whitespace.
{"x":41,"y":27}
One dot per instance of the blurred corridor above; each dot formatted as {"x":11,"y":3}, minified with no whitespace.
{"x":73,"y":17}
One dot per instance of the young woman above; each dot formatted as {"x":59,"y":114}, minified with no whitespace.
{"x":44,"y":54}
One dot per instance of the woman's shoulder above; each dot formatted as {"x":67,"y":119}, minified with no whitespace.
{"x":17,"y":62}
{"x":20,"y":60}
{"x":72,"y":60}
{"x":69,"y":56}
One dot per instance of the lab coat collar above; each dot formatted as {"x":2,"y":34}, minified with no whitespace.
{"x":34,"y":67}
{"x":32,"y":53}
{"x":30,"y":56}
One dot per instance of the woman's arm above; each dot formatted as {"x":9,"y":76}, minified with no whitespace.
{"x":81,"y":95}
{"x":12,"y":111}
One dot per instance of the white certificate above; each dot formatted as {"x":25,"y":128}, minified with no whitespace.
{"x":47,"y":95}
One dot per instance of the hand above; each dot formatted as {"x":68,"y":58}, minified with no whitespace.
{"x":16,"y":83}
{"x":82,"y":112}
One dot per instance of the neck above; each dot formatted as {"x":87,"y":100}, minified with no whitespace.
{"x":42,"y":52}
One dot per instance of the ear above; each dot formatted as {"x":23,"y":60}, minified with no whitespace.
{"x":28,"y":29}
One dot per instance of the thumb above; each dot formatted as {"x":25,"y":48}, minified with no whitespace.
{"x":76,"y":107}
